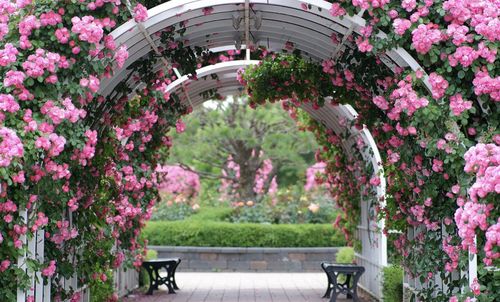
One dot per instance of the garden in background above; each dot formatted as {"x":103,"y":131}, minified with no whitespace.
{"x":242,"y":177}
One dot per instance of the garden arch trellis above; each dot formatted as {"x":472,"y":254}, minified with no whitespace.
{"x":313,"y":19}
{"x":271,"y":23}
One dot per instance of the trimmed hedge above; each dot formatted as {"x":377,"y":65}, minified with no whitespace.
{"x":392,"y":284}
{"x":206,"y":232}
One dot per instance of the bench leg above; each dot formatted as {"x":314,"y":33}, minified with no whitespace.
{"x":173,"y":275}
{"x":348,"y":286}
{"x":151,"y":281}
{"x":329,"y":288}
{"x":334,"y":296}
{"x":328,"y":291}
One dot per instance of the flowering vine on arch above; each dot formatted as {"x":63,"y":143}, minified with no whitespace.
{"x":81,"y":166}
{"x":424,"y":139}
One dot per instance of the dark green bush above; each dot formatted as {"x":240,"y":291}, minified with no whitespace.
{"x":392,"y":284}
{"x":206,"y":232}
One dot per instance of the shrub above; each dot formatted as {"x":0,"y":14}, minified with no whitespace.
{"x":196,"y":232}
{"x":392,"y":284}
{"x":102,"y":290}
{"x":291,"y":205}
{"x":170,"y":212}
{"x":345,"y":255}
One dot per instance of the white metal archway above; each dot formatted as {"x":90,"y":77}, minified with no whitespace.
{"x":281,"y":21}
{"x":373,"y":255}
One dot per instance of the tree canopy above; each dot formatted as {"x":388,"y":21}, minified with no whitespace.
{"x":231,"y":129}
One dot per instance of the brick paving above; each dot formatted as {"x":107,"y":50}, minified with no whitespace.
{"x":243,"y":287}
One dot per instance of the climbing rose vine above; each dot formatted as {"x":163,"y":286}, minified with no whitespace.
{"x":78,"y":166}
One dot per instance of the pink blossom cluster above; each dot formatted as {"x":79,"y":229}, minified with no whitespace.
{"x":468,"y":218}
{"x":58,"y":171}
{"x":364,"y":44}
{"x":121,"y":55}
{"x":481,"y":157}
{"x":36,"y":64}
{"x":405,"y":99}
{"x":88,"y":151}
{"x":401,"y":25}
{"x":458,"y":33}
{"x":50,"y":18}
{"x":176,"y":180}
{"x":58,"y":114}
{"x":262,"y":176}
{"x":10,"y":146}
{"x":336,"y":10}
{"x":88,"y":29}
{"x":464,"y":55}
{"x":50,"y":269}
{"x":492,"y":242}
{"x":92,"y":82}
{"x":484,"y":84}
{"x":459,"y":105}
{"x":453,"y":252}
{"x":8,"y":103}
{"x":7,"y":8}
{"x":7,"y":208}
{"x":144,"y":124}
{"x":381,"y":102}
{"x":483,"y":16}
{"x":8,"y":55}
{"x":52,"y":143}
{"x":14,"y":78}
{"x":424,"y":36}
{"x":366,"y":4}
{"x":4,"y":265}
{"x":314,"y":175}
{"x":438,"y":84}
{"x":62,"y":35}
{"x":40,"y":221}
{"x":64,"y":232}
{"x":28,"y":24}
{"x":140,"y":13}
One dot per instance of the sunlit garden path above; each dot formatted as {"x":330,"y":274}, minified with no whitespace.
{"x":242,"y":287}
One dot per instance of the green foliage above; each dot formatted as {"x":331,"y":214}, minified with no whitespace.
{"x":289,"y":206}
{"x":212,"y":214}
{"x":102,"y":290}
{"x":232,"y":128}
{"x":392,"y":283}
{"x":224,"y":234}
{"x":345,"y":255}
{"x":176,"y":211}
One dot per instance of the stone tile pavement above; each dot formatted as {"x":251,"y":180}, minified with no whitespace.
{"x":243,"y":287}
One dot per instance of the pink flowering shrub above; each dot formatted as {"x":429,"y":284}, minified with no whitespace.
{"x":176,"y":180}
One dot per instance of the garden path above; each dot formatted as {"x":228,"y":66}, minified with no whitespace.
{"x":243,"y":287}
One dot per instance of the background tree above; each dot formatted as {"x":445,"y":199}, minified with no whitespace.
{"x":231,"y":129}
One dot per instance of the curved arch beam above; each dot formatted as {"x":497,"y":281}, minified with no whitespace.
{"x":176,"y":11}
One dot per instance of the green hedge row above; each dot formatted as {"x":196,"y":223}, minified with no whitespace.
{"x":201,"y":232}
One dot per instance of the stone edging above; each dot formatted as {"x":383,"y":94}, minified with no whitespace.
{"x":252,"y":259}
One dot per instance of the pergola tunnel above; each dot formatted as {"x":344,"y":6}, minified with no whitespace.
{"x":402,"y":97}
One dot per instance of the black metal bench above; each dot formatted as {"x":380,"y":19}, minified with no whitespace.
{"x":153,"y":268}
{"x":349,"y":287}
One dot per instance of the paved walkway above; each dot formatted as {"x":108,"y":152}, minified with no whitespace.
{"x":243,"y":287}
